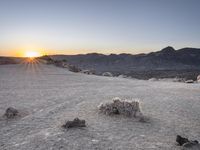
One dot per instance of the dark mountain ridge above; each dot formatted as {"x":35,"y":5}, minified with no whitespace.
{"x":165,"y":59}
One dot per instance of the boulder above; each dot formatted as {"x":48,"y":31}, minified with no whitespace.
{"x":187,"y":144}
{"x":181,"y":140}
{"x":189,"y":81}
{"x":192,"y":145}
{"x":11,"y":112}
{"x":107,"y":74}
{"x":198,"y":78}
{"x":75,"y":123}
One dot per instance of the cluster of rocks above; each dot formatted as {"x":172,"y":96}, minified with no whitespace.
{"x":187,"y":144}
{"x":74,"y":123}
{"x":89,"y":72}
{"x":122,"y":107}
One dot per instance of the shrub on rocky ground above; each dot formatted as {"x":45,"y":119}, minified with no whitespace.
{"x":73,"y":68}
{"x":75,"y":123}
{"x":121,"y":107}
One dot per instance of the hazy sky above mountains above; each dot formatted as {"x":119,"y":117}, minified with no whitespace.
{"x":103,"y":26}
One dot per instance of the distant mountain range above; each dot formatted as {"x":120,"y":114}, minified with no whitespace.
{"x":165,"y":59}
{"x":166,"y":63}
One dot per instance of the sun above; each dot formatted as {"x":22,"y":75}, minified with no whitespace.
{"x":32,"y":54}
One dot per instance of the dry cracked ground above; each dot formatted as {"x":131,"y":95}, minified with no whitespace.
{"x":47,"y":96}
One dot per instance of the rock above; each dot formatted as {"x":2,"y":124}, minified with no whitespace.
{"x":198,"y":78}
{"x":192,"y":145}
{"x":153,"y":79}
{"x":11,"y":112}
{"x":75,"y":123}
{"x":122,"y":76}
{"x":59,"y":63}
{"x":189,"y":81}
{"x":187,"y":144}
{"x":181,"y":140}
{"x":107,"y":74}
{"x":73,"y":68}
{"x":121,"y":107}
{"x":178,"y":80}
{"x":89,"y":72}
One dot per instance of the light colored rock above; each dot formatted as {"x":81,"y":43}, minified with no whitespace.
{"x":189,"y":81}
{"x":122,"y":76}
{"x":198,"y":78}
{"x":153,"y":79}
{"x":107,"y":74}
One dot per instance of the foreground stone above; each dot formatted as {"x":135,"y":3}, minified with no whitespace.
{"x":189,"y":81}
{"x":75,"y":123}
{"x":107,"y":74}
{"x":187,"y":144}
{"x":198,"y":78}
{"x":11,"y":112}
{"x":121,"y":107}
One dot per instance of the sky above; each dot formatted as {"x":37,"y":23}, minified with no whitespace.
{"x":102,"y":26}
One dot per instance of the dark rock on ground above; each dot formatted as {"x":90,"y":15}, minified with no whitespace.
{"x":192,"y":145}
{"x":75,"y":123}
{"x":181,"y":140}
{"x":187,"y":144}
{"x":73,"y":68}
{"x":11,"y":112}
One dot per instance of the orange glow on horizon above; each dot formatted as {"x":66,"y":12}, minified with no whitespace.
{"x":32,"y":54}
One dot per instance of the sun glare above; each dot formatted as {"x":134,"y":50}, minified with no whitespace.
{"x":32,"y":54}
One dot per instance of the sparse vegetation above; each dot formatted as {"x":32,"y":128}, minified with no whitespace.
{"x":121,"y":107}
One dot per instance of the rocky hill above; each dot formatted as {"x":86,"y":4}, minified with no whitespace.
{"x":166,"y":59}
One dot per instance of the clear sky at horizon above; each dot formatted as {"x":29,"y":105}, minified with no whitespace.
{"x":103,"y":26}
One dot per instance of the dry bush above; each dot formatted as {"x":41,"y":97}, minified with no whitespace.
{"x":122,"y":107}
